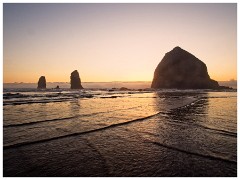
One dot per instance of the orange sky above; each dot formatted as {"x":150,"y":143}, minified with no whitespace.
{"x":114,"y":42}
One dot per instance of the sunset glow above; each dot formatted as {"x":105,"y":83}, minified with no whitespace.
{"x":114,"y":42}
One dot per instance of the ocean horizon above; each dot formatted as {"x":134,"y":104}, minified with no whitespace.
{"x":113,"y":84}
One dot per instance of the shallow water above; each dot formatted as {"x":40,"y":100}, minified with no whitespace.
{"x":120,"y":133}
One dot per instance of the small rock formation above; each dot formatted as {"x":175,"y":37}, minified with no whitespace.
{"x":124,"y":89}
{"x":182,"y":70}
{"x":75,"y":80}
{"x":42,"y":83}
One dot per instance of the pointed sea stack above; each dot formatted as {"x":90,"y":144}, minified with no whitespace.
{"x":42,"y":83}
{"x":75,"y":80}
{"x":182,"y":70}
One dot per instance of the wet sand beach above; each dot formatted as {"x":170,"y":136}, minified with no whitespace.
{"x":179,"y":134}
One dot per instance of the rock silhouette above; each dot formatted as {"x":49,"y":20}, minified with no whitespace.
{"x":182,"y":70}
{"x":42,"y":83}
{"x":75,"y":80}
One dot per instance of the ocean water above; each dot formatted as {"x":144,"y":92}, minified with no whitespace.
{"x":119,"y":133}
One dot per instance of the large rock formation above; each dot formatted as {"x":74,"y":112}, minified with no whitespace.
{"x":42,"y":83}
{"x":182,"y":70}
{"x":75,"y":80}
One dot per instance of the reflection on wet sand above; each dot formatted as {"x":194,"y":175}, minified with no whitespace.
{"x":152,"y":134}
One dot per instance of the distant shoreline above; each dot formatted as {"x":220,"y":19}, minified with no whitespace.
{"x":115,"y":84}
